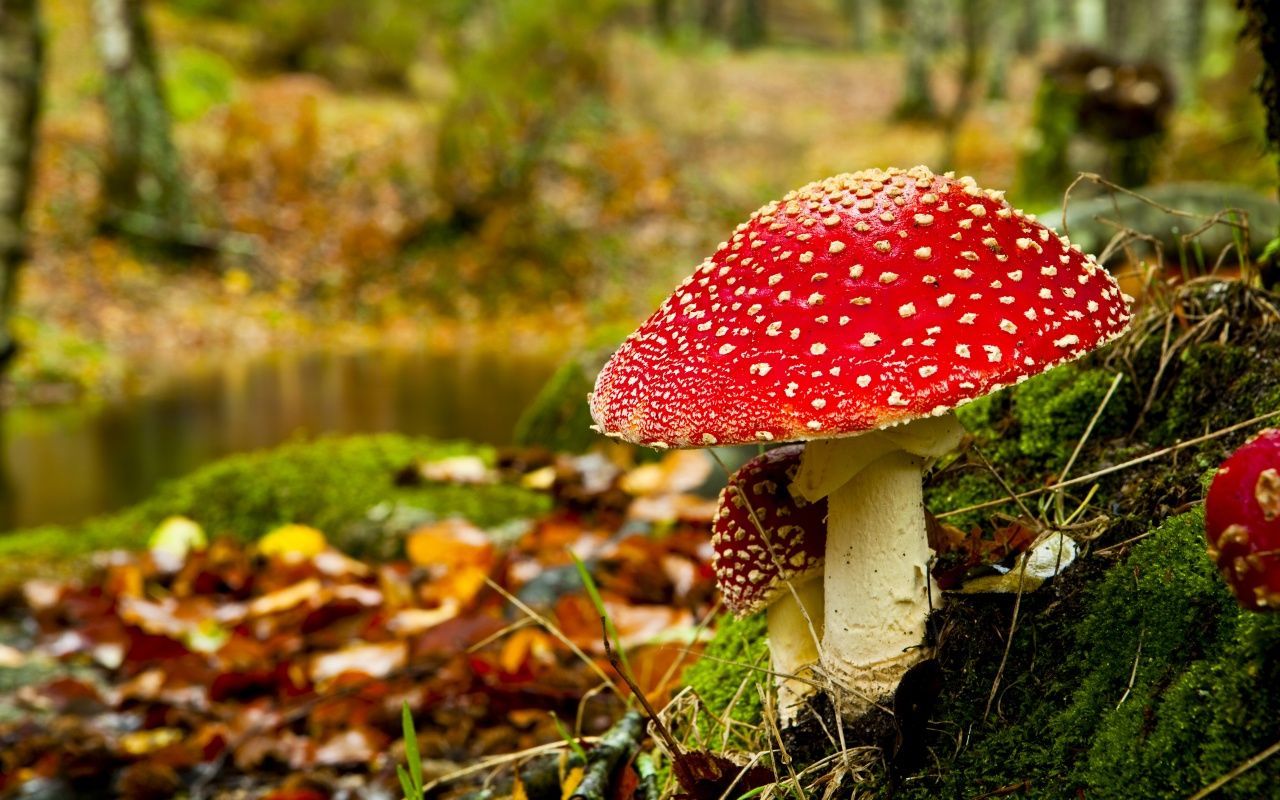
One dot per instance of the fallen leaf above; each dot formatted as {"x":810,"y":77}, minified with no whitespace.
{"x":292,"y":542}
{"x":412,"y":621}
{"x":375,"y":660}
{"x":449,"y":544}
{"x":308,"y":591}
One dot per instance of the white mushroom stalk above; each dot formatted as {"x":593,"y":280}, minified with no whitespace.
{"x":877,"y":586}
{"x":795,"y":625}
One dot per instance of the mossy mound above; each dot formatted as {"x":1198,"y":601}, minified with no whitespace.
{"x":1134,"y":674}
{"x":1142,"y":680}
{"x":330,"y":484}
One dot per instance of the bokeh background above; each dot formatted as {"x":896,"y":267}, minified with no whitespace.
{"x":252,"y":222}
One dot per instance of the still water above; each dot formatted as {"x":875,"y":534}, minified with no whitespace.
{"x":61,"y":465}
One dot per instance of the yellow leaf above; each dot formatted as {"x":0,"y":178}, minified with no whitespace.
{"x":450,"y":544}
{"x":139,"y":743}
{"x":570,"y":783}
{"x":299,"y":541}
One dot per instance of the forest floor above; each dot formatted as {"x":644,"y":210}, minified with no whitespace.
{"x":271,"y":653}
{"x":327,"y":187}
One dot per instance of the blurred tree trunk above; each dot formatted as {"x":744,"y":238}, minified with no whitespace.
{"x":144,"y":188}
{"x":1262,"y":24}
{"x":662,"y":18}
{"x":712,"y":17}
{"x":1033,"y":20}
{"x":21,"y":60}
{"x":1120,"y":18}
{"x":750,"y":28}
{"x":922,"y":25}
{"x":975,"y":19}
{"x":1088,"y":22}
{"x":1002,"y":33}
{"x":861,"y":17}
{"x":1181,"y":35}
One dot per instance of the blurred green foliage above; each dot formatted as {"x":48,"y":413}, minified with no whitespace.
{"x":55,"y":357}
{"x":196,"y":80}
{"x":370,"y":42}
{"x":536,"y":172}
{"x":559,"y":418}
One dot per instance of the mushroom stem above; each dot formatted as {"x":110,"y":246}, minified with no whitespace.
{"x":794,"y":620}
{"x":876,"y":580}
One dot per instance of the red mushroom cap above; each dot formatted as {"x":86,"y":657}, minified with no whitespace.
{"x":855,"y":303}
{"x":1242,"y":521}
{"x":751,"y":569}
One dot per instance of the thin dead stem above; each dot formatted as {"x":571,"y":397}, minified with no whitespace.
{"x":1092,"y":476}
{"x":555,"y":631}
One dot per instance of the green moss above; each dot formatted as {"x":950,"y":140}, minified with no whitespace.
{"x":1136,"y":678}
{"x":1028,"y":432}
{"x":1168,"y":600}
{"x":726,"y":675}
{"x":1076,"y":717}
{"x":1054,"y":409}
{"x":1216,"y":385}
{"x":330,"y":484}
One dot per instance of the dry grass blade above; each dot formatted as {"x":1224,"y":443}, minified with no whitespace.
{"x":1092,"y":476}
{"x":1008,"y":643}
{"x":502,"y":760}
{"x":556,"y":632}
{"x":1133,"y":673}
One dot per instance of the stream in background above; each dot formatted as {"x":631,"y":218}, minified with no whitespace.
{"x":64,"y":464}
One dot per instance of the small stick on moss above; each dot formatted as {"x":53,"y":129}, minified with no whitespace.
{"x":1236,"y":772}
{"x":1008,"y":644}
{"x":1133,"y":673}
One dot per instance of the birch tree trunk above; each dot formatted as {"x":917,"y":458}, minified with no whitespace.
{"x":861,"y":16}
{"x":21,"y":58}
{"x":1262,"y":24}
{"x":922,"y":25}
{"x":750,"y":28}
{"x":144,"y":188}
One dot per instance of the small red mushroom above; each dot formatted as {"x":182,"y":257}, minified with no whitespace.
{"x":1242,"y":521}
{"x":769,"y":549}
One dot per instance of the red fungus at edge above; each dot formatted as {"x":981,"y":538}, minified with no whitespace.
{"x":1242,"y":521}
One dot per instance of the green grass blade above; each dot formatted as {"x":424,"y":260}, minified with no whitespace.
{"x":406,"y":784}
{"x":594,"y":593}
{"x":411,"y":748}
{"x":569,"y":738}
